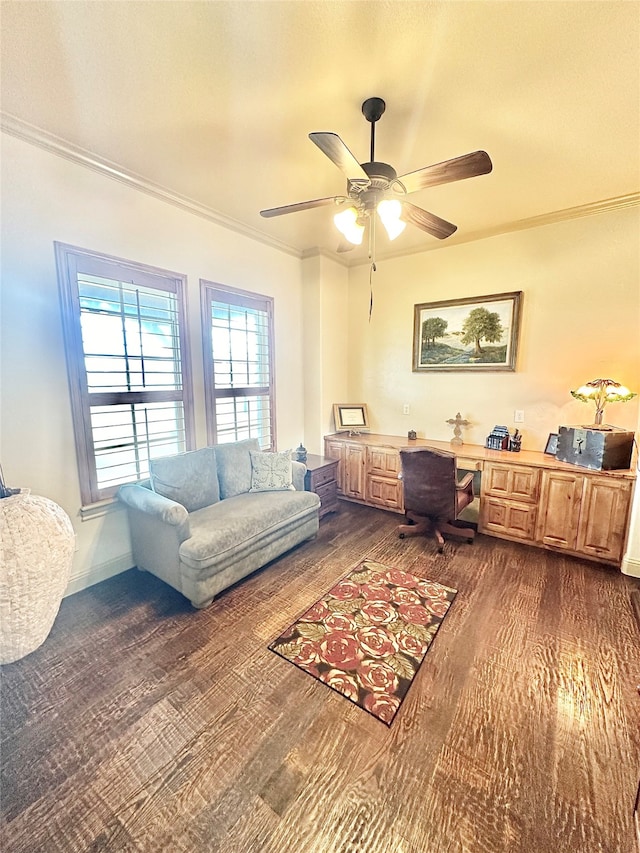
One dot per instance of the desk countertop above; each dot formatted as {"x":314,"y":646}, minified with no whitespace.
{"x":473,"y":456}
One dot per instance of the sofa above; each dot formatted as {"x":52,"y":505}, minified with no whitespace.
{"x":207,"y":518}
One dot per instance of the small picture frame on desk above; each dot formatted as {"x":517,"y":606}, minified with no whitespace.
{"x":552,"y":444}
{"x":351,"y":417}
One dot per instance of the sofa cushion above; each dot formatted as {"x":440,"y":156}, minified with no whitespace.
{"x":188,"y":478}
{"x":233,"y":462}
{"x":236,"y":525}
{"x":271,"y":472}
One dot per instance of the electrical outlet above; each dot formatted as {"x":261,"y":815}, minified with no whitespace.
{"x":406,"y":409}
{"x":518,"y":416}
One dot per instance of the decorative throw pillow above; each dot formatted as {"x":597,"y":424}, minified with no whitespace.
{"x":188,"y":478}
{"x":234,"y":466}
{"x":271,"y":472}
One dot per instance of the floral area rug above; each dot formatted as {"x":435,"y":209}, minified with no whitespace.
{"x":367,"y":637}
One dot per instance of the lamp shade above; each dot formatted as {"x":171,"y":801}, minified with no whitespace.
{"x":600,"y":392}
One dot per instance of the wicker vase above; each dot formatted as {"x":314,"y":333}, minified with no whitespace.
{"x":36,"y":551}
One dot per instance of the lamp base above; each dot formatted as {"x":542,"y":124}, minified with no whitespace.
{"x":601,"y":427}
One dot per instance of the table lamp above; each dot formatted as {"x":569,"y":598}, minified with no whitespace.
{"x":600,"y":392}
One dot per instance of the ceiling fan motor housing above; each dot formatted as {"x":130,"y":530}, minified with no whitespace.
{"x":381,"y":176}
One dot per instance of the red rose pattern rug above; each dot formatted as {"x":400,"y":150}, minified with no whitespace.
{"x":367,"y":637}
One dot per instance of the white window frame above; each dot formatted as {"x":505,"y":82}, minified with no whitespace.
{"x":213,"y":292}
{"x":72,"y":261}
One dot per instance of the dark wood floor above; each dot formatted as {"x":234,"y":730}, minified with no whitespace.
{"x":144,"y":725}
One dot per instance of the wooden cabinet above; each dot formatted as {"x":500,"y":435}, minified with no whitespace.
{"x":367,"y":473}
{"x":321,"y":478}
{"x":351,"y":458}
{"x":527,"y":497}
{"x":509,"y":501}
{"x":585,"y":514}
{"x":384,"y":489}
{"x":559,"y":509}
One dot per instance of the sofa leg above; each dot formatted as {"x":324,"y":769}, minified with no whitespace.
{"x":202,"y":605}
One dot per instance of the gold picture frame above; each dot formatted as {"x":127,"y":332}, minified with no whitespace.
{"x":351,"y":417}
{"x":477,"y":333}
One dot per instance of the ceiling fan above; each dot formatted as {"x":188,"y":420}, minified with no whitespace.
{"x":375,"y":186}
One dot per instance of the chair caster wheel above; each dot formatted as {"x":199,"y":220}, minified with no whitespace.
{"x":469,"y":541}
{"x":440,"y":550}
{"x":400,"y":535}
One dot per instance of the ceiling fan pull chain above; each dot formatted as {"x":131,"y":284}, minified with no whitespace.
{"x":372,"y":269}
{"x":372,"y":258}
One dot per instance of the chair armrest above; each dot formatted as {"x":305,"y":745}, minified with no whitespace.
{"x":144,"y":500}
{"x":466,"y":483}
{"x":298,"y":470}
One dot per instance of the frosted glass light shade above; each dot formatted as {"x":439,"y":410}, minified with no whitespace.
{"x":389,"y":211}
{"x":347,"y":224}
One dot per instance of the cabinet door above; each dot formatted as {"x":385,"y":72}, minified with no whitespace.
{"x":560,"y":509}
{"x":336,"y":450}
{"x":512,"y":519}
{"x":384,"y":489}
{"x":384,"y":492}
{"x":603,"y":517}
{"x":383,"y":462}
{"x":516,"y":482}
{"x":354,"y":469}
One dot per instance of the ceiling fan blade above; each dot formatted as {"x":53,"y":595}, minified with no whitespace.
{"x":456,"y":169}
{"x":303,"y":205}
{"x":429,"y":222}
{"x":338,"y":153}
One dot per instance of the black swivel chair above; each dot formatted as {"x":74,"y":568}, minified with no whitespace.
{"x":433,"y":498}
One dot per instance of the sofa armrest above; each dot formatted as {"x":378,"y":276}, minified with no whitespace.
{"x":145,"y":500}
{"x":298,"y":470}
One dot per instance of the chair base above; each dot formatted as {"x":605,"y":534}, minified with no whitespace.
{"x":422,"y":525}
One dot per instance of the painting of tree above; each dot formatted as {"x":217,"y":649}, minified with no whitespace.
{"x":433,"y":328}
{"x":472,"y":333}
{"x":481,"y":325}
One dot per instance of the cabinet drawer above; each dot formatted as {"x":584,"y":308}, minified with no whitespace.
{"x":327,"y":491}
{"x":326,"y":474}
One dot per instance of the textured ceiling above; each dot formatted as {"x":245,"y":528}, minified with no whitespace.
{"x":214,"y":100}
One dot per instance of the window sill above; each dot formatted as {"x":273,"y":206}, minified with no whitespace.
{"x":100,"y":509}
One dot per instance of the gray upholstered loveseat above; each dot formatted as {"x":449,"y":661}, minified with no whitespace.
{"x":209,"y":517}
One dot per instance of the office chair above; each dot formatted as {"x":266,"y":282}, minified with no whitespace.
{"x":433,"y":499}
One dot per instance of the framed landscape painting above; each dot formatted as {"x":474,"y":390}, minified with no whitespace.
{"x":477,"y":333}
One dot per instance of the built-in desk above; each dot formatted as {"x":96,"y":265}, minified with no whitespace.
{"x":526,"y":497}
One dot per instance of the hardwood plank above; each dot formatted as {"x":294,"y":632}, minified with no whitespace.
{"x":142,"y":724}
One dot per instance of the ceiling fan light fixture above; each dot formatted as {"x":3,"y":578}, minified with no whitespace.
{"x":348,"y":224}
{"x":389,"y":211}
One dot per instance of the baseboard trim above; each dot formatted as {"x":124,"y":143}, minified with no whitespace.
{"x":99,"y":573}
{"x":630,"y":566}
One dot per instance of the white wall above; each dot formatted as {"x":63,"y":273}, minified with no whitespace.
{"x":326,"y":346}
{"x":47,"y":198}
{"x":580,"y":321}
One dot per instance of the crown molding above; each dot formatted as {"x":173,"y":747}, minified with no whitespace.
{"x":14,"y":126}
{"x":593,"y":208}
{"x":318,"y":252}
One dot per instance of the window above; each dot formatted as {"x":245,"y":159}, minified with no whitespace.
{"x":128,"y":367}
{"x":238,"y":365}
